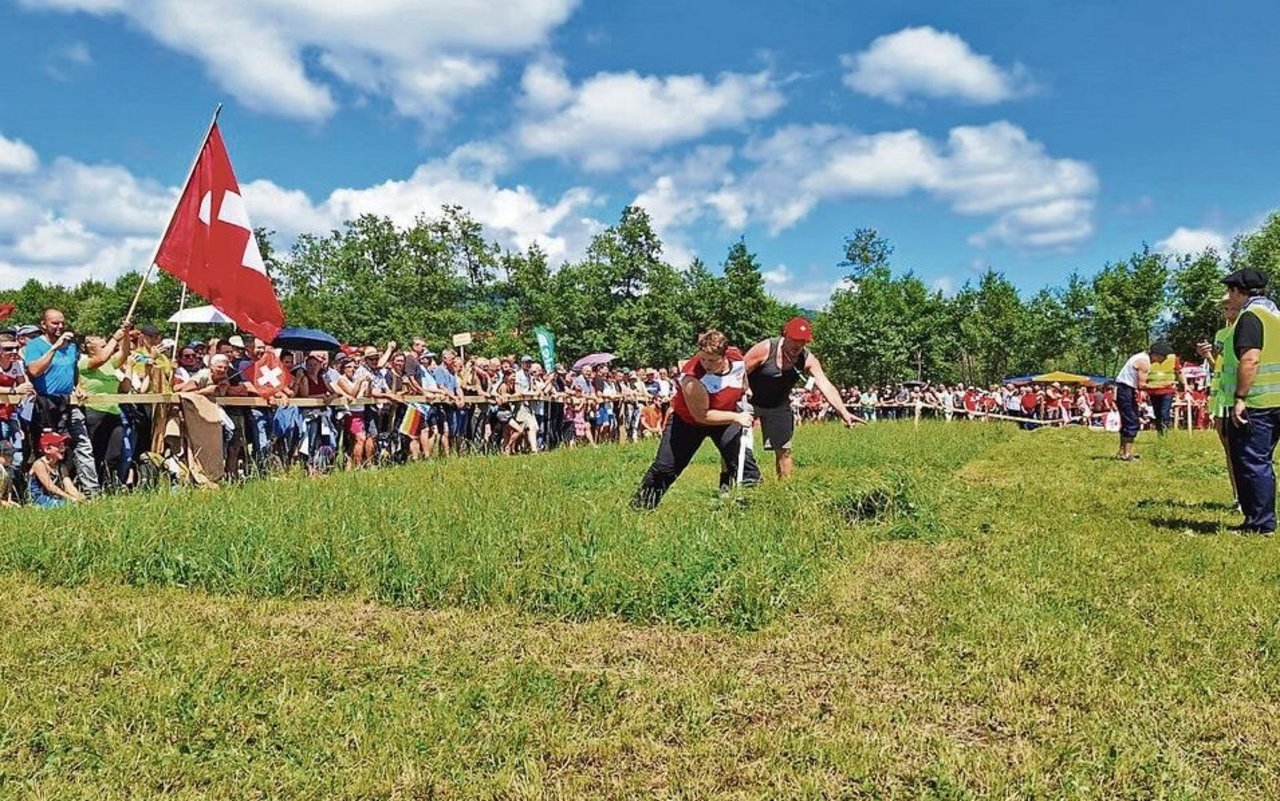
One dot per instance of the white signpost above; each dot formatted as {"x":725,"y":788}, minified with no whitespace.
{"x":460,"y":341}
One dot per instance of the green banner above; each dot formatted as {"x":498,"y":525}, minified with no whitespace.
{"x":547,"y":346}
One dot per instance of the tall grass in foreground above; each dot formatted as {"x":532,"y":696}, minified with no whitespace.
{"x":549,"y":534}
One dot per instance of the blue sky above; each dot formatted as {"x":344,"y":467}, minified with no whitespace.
{"x":1035,"y":138}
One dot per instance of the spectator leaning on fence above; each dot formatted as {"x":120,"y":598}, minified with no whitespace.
{"x":99,"y":368}
{"x":13,"y":381}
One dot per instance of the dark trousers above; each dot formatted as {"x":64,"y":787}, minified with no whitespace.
{"x":680,"y":441}
{"x":1127,"y":404}
{"x":1162,"y":407}
{"x":1252,"y":447}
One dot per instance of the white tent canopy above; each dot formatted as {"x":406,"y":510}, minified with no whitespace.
{"x":200,"y":314}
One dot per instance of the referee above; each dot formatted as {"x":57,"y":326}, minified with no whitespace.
{"x":1251,"y":375}
{"x":774,"y":366}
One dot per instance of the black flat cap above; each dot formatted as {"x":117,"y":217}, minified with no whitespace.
{"x":1248,"y":278}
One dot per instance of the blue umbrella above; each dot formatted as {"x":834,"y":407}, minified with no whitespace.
{"x":304,"y":339}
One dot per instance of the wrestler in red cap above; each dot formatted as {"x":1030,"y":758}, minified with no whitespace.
{"x":774,"y":366}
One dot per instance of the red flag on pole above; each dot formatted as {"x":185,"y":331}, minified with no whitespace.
{"x":210,"y":246}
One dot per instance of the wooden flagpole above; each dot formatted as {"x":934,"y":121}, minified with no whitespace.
{"x":177,"y":331}
{"x":151,"y":265}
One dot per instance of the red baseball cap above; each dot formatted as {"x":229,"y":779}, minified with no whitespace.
{"x":52,"y":438}
{"x":798,"y":328}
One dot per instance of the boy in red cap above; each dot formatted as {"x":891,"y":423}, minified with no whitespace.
{"x":50,"y":485}
{"x":774,"y":366}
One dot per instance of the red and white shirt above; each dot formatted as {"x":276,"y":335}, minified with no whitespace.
{"x":723,"y":391}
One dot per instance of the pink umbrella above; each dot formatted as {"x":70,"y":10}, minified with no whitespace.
{"x":592,"y":360}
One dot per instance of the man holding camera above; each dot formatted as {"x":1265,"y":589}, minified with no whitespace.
{"x":51,"y":360}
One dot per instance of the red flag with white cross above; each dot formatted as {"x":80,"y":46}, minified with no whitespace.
{"x":210,"y":246}
{"x":269,"y":375}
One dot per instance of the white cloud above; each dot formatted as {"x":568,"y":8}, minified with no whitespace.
{"x":17,"y":156}
{"x":676,"y":197}
{"x":944,"y":284}
{"x":57,"y":241}
{"x":64,"y":60}
{"x":926,"y":62}
{"x":1193,"y":241}
{"x":613,"y":116}
{"x":1037,"y":201}
{"x":70,"y":221}
{"x":810,"y":293}
{"x":420,"y":55}
{"x":76,"y":53}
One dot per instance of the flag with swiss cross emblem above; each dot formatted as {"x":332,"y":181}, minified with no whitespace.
{"x":210,"y":246}
{"x":269,"y":375}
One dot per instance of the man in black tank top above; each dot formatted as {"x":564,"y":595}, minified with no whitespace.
{"x":774,"y":366}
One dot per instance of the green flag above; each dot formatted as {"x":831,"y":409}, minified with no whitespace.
{"x":547,"y":346}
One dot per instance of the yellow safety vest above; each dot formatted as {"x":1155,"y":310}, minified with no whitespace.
{"x":1164,"y":374}
{"x":1264,"y":392}
{"x":1219,"y":350}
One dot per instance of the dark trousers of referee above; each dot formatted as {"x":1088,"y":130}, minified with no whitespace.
{"x":1127,"y":405}
{"x":680,"y":441}
{"x":1252,"y":447}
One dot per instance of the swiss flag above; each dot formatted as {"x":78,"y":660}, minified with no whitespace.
{"x":210,"y":245}
{"x":269,"y":375}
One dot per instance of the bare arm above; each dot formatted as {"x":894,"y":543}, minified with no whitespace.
{"x":756,"y":356}
{"x":107,"y":351}
{"x":41,"y":366}
{"x":696,"y":398}
{"x":387,"y":354}
{"x":814,"y":368}
{"x":1142,"y":372}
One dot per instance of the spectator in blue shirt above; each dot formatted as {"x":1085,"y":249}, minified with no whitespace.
{"x":51,"y":364}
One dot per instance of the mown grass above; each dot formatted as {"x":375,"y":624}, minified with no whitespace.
{"x":551,"y":534}
{"x":992,"y":614}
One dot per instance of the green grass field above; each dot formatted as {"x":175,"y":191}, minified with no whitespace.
{"x":953,"y":611}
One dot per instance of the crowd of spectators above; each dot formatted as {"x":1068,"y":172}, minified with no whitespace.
{"x":375,"y":405}
{"x":1092,"y":405}
{"x":64,"y":439}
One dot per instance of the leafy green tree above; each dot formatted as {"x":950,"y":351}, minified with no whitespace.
{"x":993,"y":330}
{"x":865,"y":251}
{"x":863,"y":331}
{"x":745,"y":312}
{"x":1128,"y":298}
{"x":1195,"y":312}
{"x":1259,"y":249}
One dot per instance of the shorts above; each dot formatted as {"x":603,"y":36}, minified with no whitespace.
{"x":526,"y":418}
{"x":372,"y":415}
{"x":440,"y":418}
{"x":778,"y":425}
{"x":354,"y":424}
{"x":605,"y":417}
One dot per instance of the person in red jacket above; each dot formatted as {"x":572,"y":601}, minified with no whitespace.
{"x":710,"y":390}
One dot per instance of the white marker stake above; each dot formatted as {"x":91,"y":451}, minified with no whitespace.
{"x":744,"y":444}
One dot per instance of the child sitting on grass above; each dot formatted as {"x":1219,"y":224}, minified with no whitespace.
{"x":50,"y":485}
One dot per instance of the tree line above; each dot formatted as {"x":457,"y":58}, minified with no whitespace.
{"x":371,"y":280}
